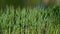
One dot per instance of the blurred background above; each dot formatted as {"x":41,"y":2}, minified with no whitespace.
{"x":29,"y":3}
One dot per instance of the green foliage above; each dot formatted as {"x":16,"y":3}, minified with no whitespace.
{"x":30,"y":21}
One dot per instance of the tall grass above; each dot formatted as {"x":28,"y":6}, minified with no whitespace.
{"x":29,"y":21}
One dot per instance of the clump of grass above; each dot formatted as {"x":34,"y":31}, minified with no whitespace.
{"x":29,"y":21}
